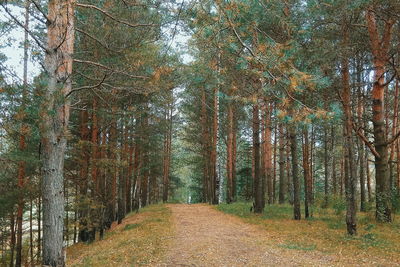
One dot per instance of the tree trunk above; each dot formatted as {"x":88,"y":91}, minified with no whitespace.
{"x":334,"y":165}
{"x":394,"y":131}
{"x":83,"y":173}
{"x":326,"y":168}
{"x":380,"y":48}
{"x":268,"y":153}
{"x":234,"y":153}
{"x":282,"y":177}
{"x":258,"y":194}
{"x":229,"y":155}
{"x":22,"y":145}
{"x":214,"y":174}
{"x":54,"y":124}
{"x":274,"y":165}
{"x":205,"y":146}
{"x":361,"y":145}
{"x":12,"y":239}
{"x":295,"y":173}
{"x":350,"y":180}
{"x":307,"y":175}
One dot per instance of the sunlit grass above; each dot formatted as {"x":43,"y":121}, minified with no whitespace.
{"x":140,"y":240}
{"x":325,"y":231}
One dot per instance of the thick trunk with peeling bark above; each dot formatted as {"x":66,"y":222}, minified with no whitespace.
{"x":380,"y":47}
{"x":54,"y":123}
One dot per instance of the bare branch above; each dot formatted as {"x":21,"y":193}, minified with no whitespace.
{"x":23,"y":26}
{"x":365,"y":140}
{"x":109,"y":69}
{"x":40,"y":10}
{"x":86,"y":87}
{"x":114,"y":18}
{"x":394,"y":138}
{"x":92,"y":37}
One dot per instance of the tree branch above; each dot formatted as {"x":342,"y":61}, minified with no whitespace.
{"x":40,"y":10}
{"x":109,"y":69}
{"x":86,"y":87}
{"x":114,"y":18}
{"x":23,"y":26}
{"x":92,"y":37}
{"x":365,"y":140}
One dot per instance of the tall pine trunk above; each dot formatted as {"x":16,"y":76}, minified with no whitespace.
{"x":380,"y":48}
{"x":295,"y":172}
{"x":55,"y":111}
{"x":258,"y":192}
{"x":350,"y":179}
{"x":282,"y":177}
{"x":22,"y":144}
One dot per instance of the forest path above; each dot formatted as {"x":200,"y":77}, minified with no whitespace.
{"x":207,"y":237}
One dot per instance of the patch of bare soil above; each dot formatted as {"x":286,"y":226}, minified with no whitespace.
{"x":207,"y":237}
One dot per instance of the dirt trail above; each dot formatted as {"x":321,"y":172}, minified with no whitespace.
{"x":207,"y":237}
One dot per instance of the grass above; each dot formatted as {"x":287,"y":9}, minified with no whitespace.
{"x":140,"y":240}
{"x":324,"y":232}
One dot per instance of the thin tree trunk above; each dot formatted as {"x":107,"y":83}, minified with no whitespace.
{"x":22,"y":145}
{"x":205,"y":146}
{"x":394,"y":131}
{"x":282,"y":177}
{"x":229,"y":155}
{"x":350,"y":180}
{"x":234,"y":155}
{"x":334,"y":165}
{"x":39,"y":222}
{"x":295,"y":174}
{"x":12,"y":239}
{"x":214,"y":175}
{"x":307,"y":175}
{"x":268,"y":154}
{"x":258,"y":194}
{"x":274,"y":164}
{"x":361,"y":145}
{"x":326,"y":168}
{"x":31,"y":248}
{"x":83,"y":173}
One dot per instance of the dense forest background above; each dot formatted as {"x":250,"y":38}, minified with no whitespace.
{"x":139,"y":102}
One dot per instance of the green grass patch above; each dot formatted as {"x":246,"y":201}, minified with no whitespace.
{"x":325,"y":231}
{"x":131,"y":226}
{"x":297,"y":246}
{"x":140,"y":240}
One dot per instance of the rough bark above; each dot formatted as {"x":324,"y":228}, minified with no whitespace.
{"x":54,"y":122}
{"x":380,"y":48}
{"x":350,"y":179}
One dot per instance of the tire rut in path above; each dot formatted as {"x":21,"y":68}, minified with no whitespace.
{"x":207,"y":237}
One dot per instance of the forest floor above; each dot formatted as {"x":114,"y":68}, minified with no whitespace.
{"x":202,"y":235}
